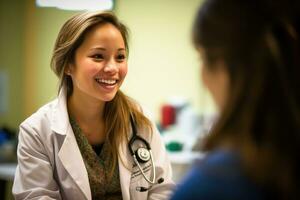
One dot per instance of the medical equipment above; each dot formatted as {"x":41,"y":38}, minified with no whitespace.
{"x":142,"y":155}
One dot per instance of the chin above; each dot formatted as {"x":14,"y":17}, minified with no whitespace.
{"x":108,"y":98}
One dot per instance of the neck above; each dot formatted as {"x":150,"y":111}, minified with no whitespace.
{"x":88,"y":114}
{"x":84,"y":110}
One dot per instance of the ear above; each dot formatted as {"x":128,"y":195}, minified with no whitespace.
{"x":68,"y":70}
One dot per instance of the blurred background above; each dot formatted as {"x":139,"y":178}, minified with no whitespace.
{"x":163,"y":71}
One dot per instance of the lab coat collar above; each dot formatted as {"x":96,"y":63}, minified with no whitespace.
{"x":72,"y":160}
{"x":125,"y":169}
{"x":69,"y":150}
{"x":60,"y":117}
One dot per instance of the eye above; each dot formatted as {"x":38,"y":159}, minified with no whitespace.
{"x":97,"y":56}
{"x":121,"y":57}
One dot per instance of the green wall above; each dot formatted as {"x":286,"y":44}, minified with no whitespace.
{"x":42,"y":27}
{"x":162,"y":61}
{"x":11,"y":59}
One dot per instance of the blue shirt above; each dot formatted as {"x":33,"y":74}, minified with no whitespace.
{"x":219,"y":176}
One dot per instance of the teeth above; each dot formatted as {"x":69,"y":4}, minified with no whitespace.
{"x":111,"y":82}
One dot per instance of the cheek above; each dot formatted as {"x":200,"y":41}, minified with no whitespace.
{"x":92,"y":71}
{"x":203,"y":74}
{"x":123,"y":70}
{"x":86,"y":68}
{"x":91,"y":67}
{"x":209,"y":83}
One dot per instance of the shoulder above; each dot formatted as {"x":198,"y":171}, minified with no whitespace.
{"x":220,"y":171}
{"x":226,"y":163}
{"x":155,"y":134}
{"x":152,"y":135}
{"x":40,"y":119}
{"x":145,"y":112}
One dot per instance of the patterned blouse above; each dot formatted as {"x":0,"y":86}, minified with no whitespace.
{"x":97,"y":166}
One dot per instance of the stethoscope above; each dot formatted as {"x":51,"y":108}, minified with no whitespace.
{"x":142,"y":155}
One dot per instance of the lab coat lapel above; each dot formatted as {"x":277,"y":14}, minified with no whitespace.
{"x":125,"y":170}
{"x":69,"y":153}
{"x":71,"y":158}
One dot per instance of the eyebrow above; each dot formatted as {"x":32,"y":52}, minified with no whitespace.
{"x":104,"y":49}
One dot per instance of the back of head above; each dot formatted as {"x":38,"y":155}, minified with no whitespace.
{"x":259,"y":41}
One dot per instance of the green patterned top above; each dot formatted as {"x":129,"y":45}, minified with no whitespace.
{"x":97,"y":166}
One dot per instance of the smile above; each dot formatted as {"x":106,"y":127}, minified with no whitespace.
{"x":106,"y":81}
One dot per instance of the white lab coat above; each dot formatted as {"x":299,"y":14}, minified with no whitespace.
{"x":50,"y":165}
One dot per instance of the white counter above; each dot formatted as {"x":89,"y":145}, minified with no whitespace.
{"x":7,"y":171}
{"x":180,"y":161}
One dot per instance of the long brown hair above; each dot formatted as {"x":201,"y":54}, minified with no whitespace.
{"x":259,"y":42}
{"x":117,"y":111}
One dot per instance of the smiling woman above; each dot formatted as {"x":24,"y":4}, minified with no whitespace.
{"x":99,"y":66}
{"x":76,"y":147}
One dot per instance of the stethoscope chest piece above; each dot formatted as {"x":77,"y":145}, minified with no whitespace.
{"x":142,"y":155}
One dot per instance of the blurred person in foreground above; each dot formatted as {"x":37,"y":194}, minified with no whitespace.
{"x":251,"y":66}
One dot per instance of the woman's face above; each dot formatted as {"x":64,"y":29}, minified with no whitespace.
{"x":215,"y":78}
{"x":100,"y":64}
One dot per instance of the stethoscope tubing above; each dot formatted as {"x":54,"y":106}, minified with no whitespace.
{"x":142,"y":171}
{"x":130,"y":143}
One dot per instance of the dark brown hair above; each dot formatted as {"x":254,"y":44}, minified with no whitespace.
{"x":117,"y":112}
{"x":259,"y":43}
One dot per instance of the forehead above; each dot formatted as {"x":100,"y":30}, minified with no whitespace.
{"x":103,"y":33}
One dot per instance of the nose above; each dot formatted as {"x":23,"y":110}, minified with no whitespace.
{"x":111,"y":66}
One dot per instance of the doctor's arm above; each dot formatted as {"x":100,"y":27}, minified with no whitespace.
{"x":163,"y":169}
{"x":34,"y":173}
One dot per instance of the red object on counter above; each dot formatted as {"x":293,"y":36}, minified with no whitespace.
{"x":168,"y":115}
